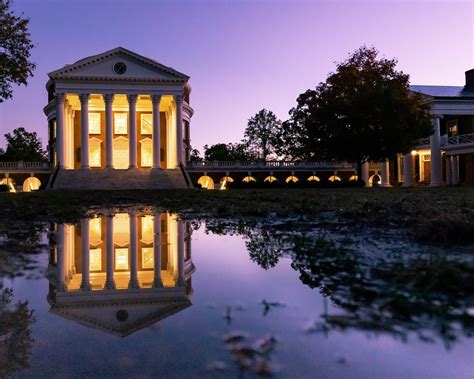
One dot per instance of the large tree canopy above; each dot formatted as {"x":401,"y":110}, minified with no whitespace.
{"x":363,"y":112}
{"x":260,"y":134}
{"x":23,"y":146}
{"x":15,"y":50}
{"x":226,"y":152}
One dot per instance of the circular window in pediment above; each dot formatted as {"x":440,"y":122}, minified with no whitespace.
{"x":120,"y":68}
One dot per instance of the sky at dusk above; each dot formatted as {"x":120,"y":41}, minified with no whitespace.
{"x":242,"y":55}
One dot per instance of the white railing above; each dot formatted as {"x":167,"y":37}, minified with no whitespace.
{"x":267,"y":165}
{"x":19,"y":165}
{"x":459,"y":140}
{"x":422,"y":142}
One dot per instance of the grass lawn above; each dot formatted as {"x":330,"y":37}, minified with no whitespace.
{"x":435,"y":214}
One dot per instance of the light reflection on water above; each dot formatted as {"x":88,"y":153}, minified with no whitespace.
{"x":224,"y":300}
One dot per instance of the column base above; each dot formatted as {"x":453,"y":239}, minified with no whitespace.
{"x":61,"y":287}
{"x":386,"y":185}
{"x":435,"y":184}
{"x":180,"y":282}
{"x":86,"y":287}
{"x":407,"y":185}
{"x":85,"y":168}
{"x":133,"y":284}
{"x":157,"y":283}
{"x":110,"y":285}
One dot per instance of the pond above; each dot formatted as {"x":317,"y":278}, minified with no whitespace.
{"x":144,"y":293}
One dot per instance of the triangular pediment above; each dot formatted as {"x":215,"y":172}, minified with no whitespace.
{"x":121,"y":319}
{"x":119,"y":65}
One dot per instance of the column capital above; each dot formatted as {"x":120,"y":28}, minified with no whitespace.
{"x":156,"y":99}
{"x":178,"y":99}
{"x":108,"y":98}
{"x":84,"y":97}
{"x":60,"y":97}
{"x":132,"y":98}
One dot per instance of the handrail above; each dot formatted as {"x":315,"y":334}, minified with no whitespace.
{"x":267,"y":164}
{"x":459,"y":139}
{"x":25,"y":165}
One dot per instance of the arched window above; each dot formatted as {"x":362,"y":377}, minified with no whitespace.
{"x":334,"y":178}
{"x":223,"y":182}
{"x":249,"y":179}
{"x":270,"y":179}
{"x":314,"y":178}
{"x":374,"y":180}
{"x":121,"y":155}
{"x":353,"y":178}
{"x":31,"y":184}
{"x":8,"y":182}
{"x":206,"y":182}
{"x":94,"y":152}
{"x":146,"y":152}
{"x":292,"y":179}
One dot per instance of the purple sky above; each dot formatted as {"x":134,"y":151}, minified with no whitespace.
{"x":243,"y":55}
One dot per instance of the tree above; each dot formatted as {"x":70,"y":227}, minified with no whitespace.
{"x":227,"y":152}
{"x":15,"y":50}
{"x":23,"y":146}
{"x":363,"y":112}
{"x":259,"y":136}
{"x":195,"y":156}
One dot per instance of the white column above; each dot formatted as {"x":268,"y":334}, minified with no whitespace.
{"x":109,"y":131}
{"x":60,"y":151}
{"x":385,"y":168}
{"x":180,"y":274}
{"x":60,"y":259}
{"x":365,"y":173}
{"x":132,"y":114}
{"x":155,"y":103}
{"x":408,"y":170}
{"x":109,"y":245}
{"x":157,"y":281}
{"x":179,"y":129}
{"x":84,"y":97}
{"x":133,"y":283}
{"x":455,"y":169}
{"x":435,"y":145}
{"x":449,"y":173}
{"x":86,"y":281}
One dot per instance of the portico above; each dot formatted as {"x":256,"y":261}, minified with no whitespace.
{"x":118,"y":111}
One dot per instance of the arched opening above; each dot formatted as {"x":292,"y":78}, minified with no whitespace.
{"x":94,"y":152}
{"x":270,"y":179}
{"x":353,"y":178}
{"x":146,"y":152}
{"x":375,"y":180}
{"x":249,"y":179}
{"x":31,"y":184}
{"x":121,"y":153}
{"x":223,"y":182}
{"x":314,"y":178}
{"x":291,"y":179}
{"x":334,"y":178}
{"x":8,"y":182}
{"x":206,"y":182}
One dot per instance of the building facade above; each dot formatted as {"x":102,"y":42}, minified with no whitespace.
{"x":118,"y":120}
{"x":447,"y":157}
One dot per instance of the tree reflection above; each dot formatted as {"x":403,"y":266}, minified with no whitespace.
{"x":397,"y":294}
{"x":15,"y":334}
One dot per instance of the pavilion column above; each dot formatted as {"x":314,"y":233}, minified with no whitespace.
{"x":86,"y":281}
{"x":109,"y":245}
{"x":455,"y":169}
{"x":180,"y":274}
{"x":449,"y":172}
{"x":385,"y":171}
{"x":61,"y":259}
{"x":132,"y":114}
{"x":84,"y":97}
{"x":155,"y":103}
{"x":60,"y":132}
{"x":133,"y":283}
{"x":187,"y":139}
{"x":157,"y":280}
{"x":435,"y":145}
{"x":109,"y":131}
{"x":365,"y":173}
{"x":179,"y":129}
{"x":408,"y":170}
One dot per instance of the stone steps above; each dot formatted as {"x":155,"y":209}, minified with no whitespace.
{"x":110,"y":179}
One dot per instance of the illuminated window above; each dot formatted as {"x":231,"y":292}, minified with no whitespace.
{"x":94,"y":152}
{"x":249,"y":179}
{"x":94,"y":123}
{"x":95,"y":231}
{"x":147,"y":229}
{"x":146,"y":152}
{"x":31,"y":184}
{"x":121,"y":229}
{"x":270,"y":179}
{"x":292,"y":179}
{"x":120,"y":123}
{"x":206,"y":182}
{"x":147,"y":257}
{"x":146,"y":123}
{"x":95,"y":259}
{"x":314,"y":178}
{"x":334,"y":178}
{"x":223,"y":182}
{"x":353,"y":178}
{"x":121,"y":259}
{"x":121,"y":155}
{"x":8,"y":182}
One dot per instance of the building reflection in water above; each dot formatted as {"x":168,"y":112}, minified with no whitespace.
{"x":121,"y":272}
